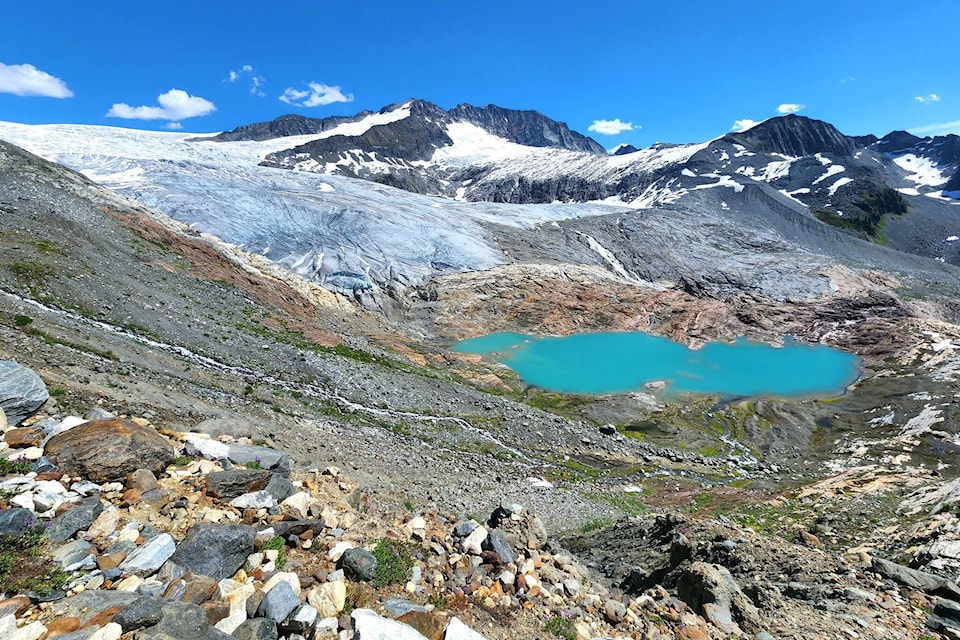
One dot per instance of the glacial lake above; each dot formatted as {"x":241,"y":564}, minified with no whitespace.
{"x":597,"y":363}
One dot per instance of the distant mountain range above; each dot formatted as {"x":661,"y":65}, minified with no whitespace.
{"x":288,"y":189}
{"x":868,"y":186}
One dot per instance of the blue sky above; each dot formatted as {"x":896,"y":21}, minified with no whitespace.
{"x":635,"y":71}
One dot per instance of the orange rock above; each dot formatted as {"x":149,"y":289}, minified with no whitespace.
{"x":427,"y":624}
{"x":61,"y":626}
{"x":110,"y":560}
{"x":22,"y":437}
{"x":104,"y":617}
{"x":691,"y":633}
{"x":16,"y":605}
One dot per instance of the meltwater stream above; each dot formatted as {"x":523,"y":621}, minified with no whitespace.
{"x":598,"y":363}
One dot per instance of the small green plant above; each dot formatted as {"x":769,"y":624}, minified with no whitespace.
{"x":394,"y":562}
{"x":181,"y":460}
{"x":8,"y":466}
{"x":276,"y":544}
{"x":253,"y":464}
{"x":594,"y":524}
{"x":22,"y":321}
{"x":25,"y":566}
{"x":408,"y":505}
{"x":561,"y":627}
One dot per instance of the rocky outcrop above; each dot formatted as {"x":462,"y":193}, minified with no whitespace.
{"x":795,"y":136}
{"x":21,"y":392}
{"x":529,"y":128}
{"x":108,"y":450}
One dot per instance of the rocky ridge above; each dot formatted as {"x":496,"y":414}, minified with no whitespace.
{"x":221,"y":538}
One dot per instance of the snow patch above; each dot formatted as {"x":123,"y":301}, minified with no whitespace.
{"x":724,"y":181}
{"x":839,"y":183}
{"x":832,"y":170}
{"x":923,"y":171}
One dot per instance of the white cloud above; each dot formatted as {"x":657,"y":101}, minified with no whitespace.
{"x":173,"y":126}
{"x":319,"y":94}
{"x":941,"y":129}
{"x":789,"y":107}
{"x":928,"y":99}
{"x":742,"y":125}
{"x":175,"y":105}
{"x":255,"y":81}
{"x":27,"y":80}
{"x":611,"y":127}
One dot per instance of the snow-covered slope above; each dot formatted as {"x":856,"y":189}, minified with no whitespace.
{"x":350,"y":235}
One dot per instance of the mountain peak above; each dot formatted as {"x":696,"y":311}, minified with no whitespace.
{"x":526,"y":127}
{"x":897,"y":141}
{"x":796,"y":136}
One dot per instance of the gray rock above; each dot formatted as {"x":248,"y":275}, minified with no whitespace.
{"x":712,"y":592}
{"x":256,"y":500}
{"x":271,"y":459}
{"x":142,"y":612}
{"x":497,"y":543}
{"x":14,"y":521}
{"x":614,"y":611}
{"x":915,"y":579}
{"x":227,"y":485}
{"x":75,"y":555}
{"x":150,"y":556}
{"x":256,"y":629}
{"x":79,"y":518}
{"x":536,"y":533}
{"x":947,"y":609}
{"x":98,"y":413}
{"x":464,"y":528}
{"x":215,"y":550}
{"x":280,"y":488}
{"x":21,"y":392}
{"x":396,"y":607}
{"x":182,"y":621}
{"x":358,"y":564}
{"x":278,"y":603}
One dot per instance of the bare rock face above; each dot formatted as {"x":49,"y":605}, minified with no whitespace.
{"x":109,"y":450}
{"x":21,"y":391}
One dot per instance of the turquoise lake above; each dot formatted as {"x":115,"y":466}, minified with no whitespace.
{"x":594,"y":363}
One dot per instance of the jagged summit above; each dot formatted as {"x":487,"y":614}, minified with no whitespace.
{"x":796,"y":136}
{"x":527,"y":127}
{"x":896,"y":141}
{"x":623,"y":149}
{"x":530,"y":128}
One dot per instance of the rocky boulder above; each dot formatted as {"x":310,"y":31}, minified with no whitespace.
{"x":712,"y":592}
{"x":21,"y":391}
{"x":109,"y":450}
{"x":215,"y":550}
